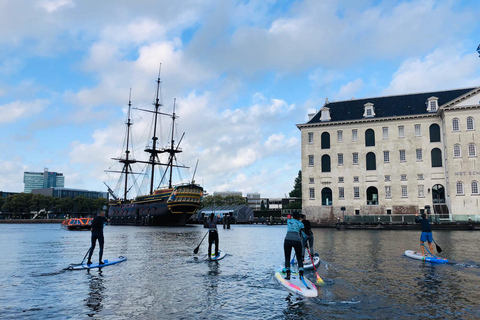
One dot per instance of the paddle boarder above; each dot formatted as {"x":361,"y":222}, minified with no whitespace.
{"x":97,"y":234}
{"x":293,"y":239}
{"x":426,"y":232}
{"x":212,"y":235}
{"x":308,"y":237}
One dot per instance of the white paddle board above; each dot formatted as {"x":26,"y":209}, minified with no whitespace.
{"x":107,"y":262}
{"x":417,"y":255}
{"x":307,"y":264}
{"x":220,"y":256}
{"x":295,"y":285}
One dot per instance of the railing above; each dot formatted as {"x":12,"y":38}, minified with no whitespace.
{"x":408,"y":218}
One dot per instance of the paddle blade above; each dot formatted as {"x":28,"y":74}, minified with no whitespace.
{"x":438,"y":248}
{"x":320,"y":282}
{"x":196,"y":250}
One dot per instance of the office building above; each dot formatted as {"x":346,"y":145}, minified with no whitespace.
{"x":40,"y":180}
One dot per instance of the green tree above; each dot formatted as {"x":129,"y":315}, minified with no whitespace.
{"x":262,"y":206}
{"x":297,"y":188}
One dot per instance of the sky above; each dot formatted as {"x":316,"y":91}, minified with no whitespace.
{"x":240,"y":74}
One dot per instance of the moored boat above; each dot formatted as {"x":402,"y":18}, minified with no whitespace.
{"x":77,"y":224}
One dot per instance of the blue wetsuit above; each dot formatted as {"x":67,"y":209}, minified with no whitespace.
{"x":293,"y":240}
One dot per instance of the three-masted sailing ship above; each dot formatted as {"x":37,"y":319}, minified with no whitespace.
{"x":170,"y":205}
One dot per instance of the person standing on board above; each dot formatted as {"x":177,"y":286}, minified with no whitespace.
{"x":426,"y":232}
{"x":293,"y":239}
{"x":97,"y":234}
{"x":308,"y":238}
{"x":212,"y":235}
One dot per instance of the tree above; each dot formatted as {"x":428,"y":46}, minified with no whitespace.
{"x":297,"y":188}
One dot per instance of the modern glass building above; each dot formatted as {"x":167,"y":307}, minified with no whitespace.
{"x":40,"y":180}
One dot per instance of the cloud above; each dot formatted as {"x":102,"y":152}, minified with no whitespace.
{"x":16,"y":110}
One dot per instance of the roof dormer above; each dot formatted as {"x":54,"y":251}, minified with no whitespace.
{"x":325,"y":116}
{"x":432,"y":104}
{"x":368,"y":110}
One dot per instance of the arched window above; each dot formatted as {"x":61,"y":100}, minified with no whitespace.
{"x":369,"y":138}
{"x":325,"y":163}
{"x":470,"y":123}
{"x":327,"y":197}
{"x":455,"y":124}
{"x":371,"y":161}
{"x":472,"y":150}
{"x":474,"y":186}
{"x":460,"y":191}
{"x":325,"y":140}
{"x":372,"y":196}
{"x":434,"y":133}
{"x":457,"y":151}
{"x":436,"y":155}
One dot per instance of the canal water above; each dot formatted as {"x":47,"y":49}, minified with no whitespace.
{"x":366,"y":273}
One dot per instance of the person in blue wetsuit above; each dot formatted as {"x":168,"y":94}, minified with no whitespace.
{"x":426,"y":232}
{"x":212,"y":235}
{"x":97,"y":234}
{"x":293,"y":239}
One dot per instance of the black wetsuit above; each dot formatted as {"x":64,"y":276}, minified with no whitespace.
{"x":97,"y":234}
{"x":212,"y":235}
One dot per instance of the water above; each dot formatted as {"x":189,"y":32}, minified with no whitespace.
{"x":366,"y":275}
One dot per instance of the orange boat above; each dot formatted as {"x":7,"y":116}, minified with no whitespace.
{"x":77,"y":224}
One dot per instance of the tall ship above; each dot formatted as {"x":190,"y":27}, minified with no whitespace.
{"x":165,"y":203}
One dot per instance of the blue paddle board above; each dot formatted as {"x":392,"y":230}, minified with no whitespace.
{"x":107,"y":262}
{"x":220,"y":256}
{"x":304,"y":288}
{"x":417,"y":255}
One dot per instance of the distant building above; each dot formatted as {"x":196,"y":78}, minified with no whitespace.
{"x":254,"y":201}
{"x":40,"y":180}
{"x":4,"y":194}
{"x":240,"y":213}
{"x":70,"y":193}
{"x":227,"y":193}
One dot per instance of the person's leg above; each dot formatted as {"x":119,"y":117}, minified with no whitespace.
{"x":210,"y":241}
{"x":287,"y":250}
{"x":310,"y":244}
{"x":298,"y":251}
{"x":422,"y":242}
{"x":101,"y":241}
{"x":216,"y":244}
{"x":92,"y":247}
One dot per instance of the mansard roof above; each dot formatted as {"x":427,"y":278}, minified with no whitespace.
{"x":389,"y":106}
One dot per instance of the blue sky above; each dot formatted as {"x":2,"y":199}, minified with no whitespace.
{"x":243,"y":74}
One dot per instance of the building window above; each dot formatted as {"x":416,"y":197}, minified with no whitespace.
{"x":341,"y":179}
{"x":354,"y":135}
{"x":388,"y":177}
{"x":388,"y":192}
{"x":371,"y":161}
{"x":355,"y":158}
{"x":436,"y":154}
{"x":420,"y":176}
{"x":312,"y":193}
{"x":386,"y":156}
{"x":369,"y":138}
{"x":403,"y":157}
{"x":455,"y":124}
{"x":419,"y":154}
{"x":310,"y":161}
{"x":356,"y":179}
{"x":310,"y":137}
{"x":356,"y":192}
{"x":341,"y":192}
{"x":457,"y":151}
{"x":325,"y":140}
{"x":421,"y":191}
{"x":311,"y":180}
{"x":418,"y":130}
{"x":435,"y":133}
{"x":472,"y":150}
{"x":460,"y":191}
{"x":474,"y":187}
{"x":339,"y":136}
{"x":432,"y":105}
{"x":401,"y":131}
{"x":385,"y":133}
{"x":470,"y":123}
{"x":403,"y":177}
{"x":404,"y":192}
{"x":372,"y":196}
{"x":340,"y":159}
{"x":325,"y":163}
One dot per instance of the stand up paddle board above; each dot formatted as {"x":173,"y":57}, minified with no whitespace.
{"x":307,"y":264}
{"x":108,"y":262}
{"x":295,"y":285}
{"x":220,"y":256}
{"x":417,"y":255}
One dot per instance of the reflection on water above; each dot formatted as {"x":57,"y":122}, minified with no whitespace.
{"x":366,"y":273}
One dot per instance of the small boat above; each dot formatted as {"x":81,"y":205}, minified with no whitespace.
{"x":77,"y":224}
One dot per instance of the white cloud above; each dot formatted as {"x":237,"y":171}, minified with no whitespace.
{"x":21,"y":109}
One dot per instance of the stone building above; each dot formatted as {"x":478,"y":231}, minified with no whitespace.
{"x":392,"y":155}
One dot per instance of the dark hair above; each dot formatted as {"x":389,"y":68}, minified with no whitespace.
{"x":211,"y":217}
{"x":296,"y":215}
{"x":424,"y":216}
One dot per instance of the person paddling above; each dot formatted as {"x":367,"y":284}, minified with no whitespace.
{"x":308,"y":238}
{"x":293,"y":239}
{"x":212,"y":235}
{"x":426,"y":232}
{"x":97,"y":234}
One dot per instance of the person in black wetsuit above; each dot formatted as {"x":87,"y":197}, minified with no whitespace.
{"x":426,"y":232}
{"x":212,"y":235}
{"x":97,"y":234}
{"x":308,"y":237}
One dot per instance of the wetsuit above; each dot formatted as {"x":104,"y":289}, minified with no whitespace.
{"x":426,"y":229}
{"x":308,"y":237}
{"x":293,"y":240}
{"x":212,"y":236}
{"x":97,"y":234}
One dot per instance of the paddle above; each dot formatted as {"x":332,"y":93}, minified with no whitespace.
{"x":198,"y":247}
{"x":439,"y":250}
{"x":319,"y":280}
